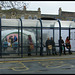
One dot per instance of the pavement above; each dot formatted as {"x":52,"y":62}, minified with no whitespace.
{"x":35,"y":64}
{"x":37,"y":57}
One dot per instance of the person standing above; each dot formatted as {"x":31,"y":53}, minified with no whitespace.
{"x":11,"y":38}
{"x":30,"y":45}
{"x":48,"y":48}
{"x":15,"y":38}
{"x":62,"y":45}
{"x":53,"y":47}
{"x":5,"y":44}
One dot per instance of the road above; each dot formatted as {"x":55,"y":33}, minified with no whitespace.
{"x":39,"y":66}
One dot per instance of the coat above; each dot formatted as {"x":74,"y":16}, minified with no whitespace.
{"x":49,"y":42}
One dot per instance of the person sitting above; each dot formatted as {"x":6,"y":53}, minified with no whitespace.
{"x":5,"y":45}
{"x":15,"y":45}
{"x":68,"y":45}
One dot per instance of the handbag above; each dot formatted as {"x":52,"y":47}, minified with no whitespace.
{"x":50,"y":47}
{"x":68,"y":46}
{"x":31,"y":46}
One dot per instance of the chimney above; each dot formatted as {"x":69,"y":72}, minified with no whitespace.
{"x":38,"y":9}
{"x":0,"y":7}
{"x":24,"y":8}
{"x":60,"y":11}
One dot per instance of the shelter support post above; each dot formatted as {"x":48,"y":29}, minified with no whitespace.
{"x":59,"y":37}
{"x":41,"y":50}
{"x":0,"y":39}
{"x":21,"y":39}
{"x":36,"y":41}
{"x":18,"y":40}
{"x":69,"y":33}
{"x":53,"y":33}
{"x":69,"y":38}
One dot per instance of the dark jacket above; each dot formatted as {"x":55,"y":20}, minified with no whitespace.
{"x":53,"y":43}
{"x":61,"y":42}
{"x":11,"y":40}
{"x":48,"y":42}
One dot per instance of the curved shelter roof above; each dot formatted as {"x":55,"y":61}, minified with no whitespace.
{"x":36,"y":23}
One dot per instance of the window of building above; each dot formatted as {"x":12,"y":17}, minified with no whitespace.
{"x":22,"y":17}
{"x":35,"y":17}
{"x":3,"y":16}
{"x":13,"y":17}
{"x":29,"y":17}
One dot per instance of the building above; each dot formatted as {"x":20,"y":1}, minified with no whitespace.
{"x":62,"y":15}
{"x":24,"y":14}
{"x":28,"y":14}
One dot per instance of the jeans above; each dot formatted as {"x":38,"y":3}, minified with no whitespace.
{"x":49,"y":52}
{"x":54,"y":51}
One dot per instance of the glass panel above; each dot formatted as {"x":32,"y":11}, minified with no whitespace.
{"x":26,"y":33}
{"x":65,"y":23}
{"x":56,"y":39}
{"x":49,"y":27}
{"x":9,"y":22}
{"x":35,"y":34}
{"x":47,"y":33}
{"x":72,"y":25}
{"x":72,"y":39}
{"x":48,"y":23}
{"x":30,"y":23}
{"x":38,"y":39}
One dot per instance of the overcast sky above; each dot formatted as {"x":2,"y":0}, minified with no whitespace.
{"x":52,"y":7}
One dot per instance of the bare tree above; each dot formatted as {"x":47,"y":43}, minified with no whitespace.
{"x":13,"y":4}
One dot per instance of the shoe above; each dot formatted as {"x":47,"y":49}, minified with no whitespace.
{"x":56,"y":54}
{"x":29,"y":54}
{"x":64,"y":54}
{"x":50,"y":54}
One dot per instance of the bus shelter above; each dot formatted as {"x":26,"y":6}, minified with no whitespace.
{"x":39,"y":30}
